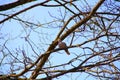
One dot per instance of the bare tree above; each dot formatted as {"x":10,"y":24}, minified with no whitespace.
{"x":91,"y":30}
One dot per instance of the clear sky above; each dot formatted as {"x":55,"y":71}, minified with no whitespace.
{"x":14,"y":31}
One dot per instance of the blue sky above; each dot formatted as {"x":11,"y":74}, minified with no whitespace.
{"x":14,"y":31}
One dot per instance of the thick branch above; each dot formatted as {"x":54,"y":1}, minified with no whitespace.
{"x":83,"y":20}
{"x":14,"y":4}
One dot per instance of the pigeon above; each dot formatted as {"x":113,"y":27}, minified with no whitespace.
{"x":63,"y":46}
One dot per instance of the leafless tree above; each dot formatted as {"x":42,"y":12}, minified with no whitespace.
{"x":90,"y":28}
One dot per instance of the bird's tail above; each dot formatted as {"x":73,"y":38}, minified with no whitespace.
{"x":66,"y":50}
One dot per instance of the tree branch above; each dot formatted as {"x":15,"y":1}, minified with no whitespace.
{"x":14,"y":4}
